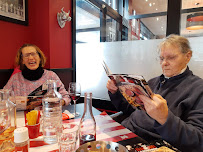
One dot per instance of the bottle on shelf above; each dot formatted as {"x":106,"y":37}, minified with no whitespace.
{"x":87,"y":127}
{"x":52,"y":113}
{"x":7,"y":120}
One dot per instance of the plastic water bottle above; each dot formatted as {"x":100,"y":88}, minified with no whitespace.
{"x":52,"y":113}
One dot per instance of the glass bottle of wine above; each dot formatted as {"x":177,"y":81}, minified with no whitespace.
{"x":87,"y":127}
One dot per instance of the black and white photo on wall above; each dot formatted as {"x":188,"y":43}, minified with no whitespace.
{"x":15,"y":11}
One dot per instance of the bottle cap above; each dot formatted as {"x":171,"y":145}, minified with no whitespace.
{"x":21,"y":135}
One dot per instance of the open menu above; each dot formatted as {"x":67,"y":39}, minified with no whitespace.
{"x":130,"y":86}
{"x":34,"y":99}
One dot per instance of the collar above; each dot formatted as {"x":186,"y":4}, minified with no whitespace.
{"x":183,"y":70}
{"x":177,"y":77}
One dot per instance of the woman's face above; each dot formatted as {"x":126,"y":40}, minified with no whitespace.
{"x":172,"y":60}
{"x":30,"y":57}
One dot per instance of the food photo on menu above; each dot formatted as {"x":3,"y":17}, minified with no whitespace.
{"x":33,"y":99}
{"x":130,"y":86}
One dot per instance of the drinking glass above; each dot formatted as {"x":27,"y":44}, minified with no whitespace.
{"x":74,"y":92}
{"x":67,"y":139}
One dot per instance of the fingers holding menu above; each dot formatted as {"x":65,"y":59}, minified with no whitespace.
{"x":111,"y":86}
{"x":156,"y":107}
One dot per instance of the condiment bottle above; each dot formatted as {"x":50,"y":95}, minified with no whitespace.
{"x":87,"y":127}
{"x":52,"y":113}
{"x":21,"y":139}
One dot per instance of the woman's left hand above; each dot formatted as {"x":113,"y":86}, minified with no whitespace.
{"x":156,"y":107}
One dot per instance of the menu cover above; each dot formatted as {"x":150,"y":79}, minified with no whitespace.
{"x":35,"y":97}
{"x":130,"y":86}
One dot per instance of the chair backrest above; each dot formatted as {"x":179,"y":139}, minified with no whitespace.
{"x":16,"y":70}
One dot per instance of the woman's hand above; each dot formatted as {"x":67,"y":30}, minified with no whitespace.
{"x":156,"y":107}
{"x":111,"y":86}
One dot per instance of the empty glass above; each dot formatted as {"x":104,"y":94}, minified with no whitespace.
{"x":67,"y":139}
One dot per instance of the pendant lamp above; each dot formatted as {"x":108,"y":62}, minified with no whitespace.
{"x":194,"y":21}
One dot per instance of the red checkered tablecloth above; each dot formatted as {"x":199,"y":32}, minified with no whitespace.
{"x":107,"y":130}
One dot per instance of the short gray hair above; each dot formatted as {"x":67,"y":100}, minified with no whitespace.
{"x":176,"y":40}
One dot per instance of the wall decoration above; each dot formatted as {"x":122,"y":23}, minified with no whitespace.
{"x":15,"y":11}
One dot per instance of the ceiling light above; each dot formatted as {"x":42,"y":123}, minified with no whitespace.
{"x":194,"y":21}
{"x":150,"y":4}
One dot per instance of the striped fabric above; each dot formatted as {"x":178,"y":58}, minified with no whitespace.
{"x":107,"y":130}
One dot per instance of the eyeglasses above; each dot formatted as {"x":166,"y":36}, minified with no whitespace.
{"x":167,"y":59}
{"x":33,"y":54}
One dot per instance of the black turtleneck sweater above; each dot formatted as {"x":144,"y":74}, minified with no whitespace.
{"x":184,"y":126}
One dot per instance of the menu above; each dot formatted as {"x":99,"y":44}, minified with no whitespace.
{"x":130,"y":86}
{"x":34,"y":99}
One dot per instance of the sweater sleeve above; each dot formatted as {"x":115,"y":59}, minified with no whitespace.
{"x":120,"y":103}
{"x":186,"y":136}
{"x":62,"y":90}
{"x":9,"y":84}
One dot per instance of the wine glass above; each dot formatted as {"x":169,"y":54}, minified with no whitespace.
{"x":74,"y":92}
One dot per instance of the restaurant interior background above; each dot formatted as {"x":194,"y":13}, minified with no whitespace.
{"x":123,"y":33}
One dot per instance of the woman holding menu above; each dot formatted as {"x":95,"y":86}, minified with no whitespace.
{"x":32,"y":76}
{"x":175,"y":112}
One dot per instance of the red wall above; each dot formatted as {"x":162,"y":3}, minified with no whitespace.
{"x":43,"y":30}
{"x":12,"y":36}
{"x":60,"y":38}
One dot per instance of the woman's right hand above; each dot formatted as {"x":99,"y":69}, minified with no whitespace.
{"x":111,"y":86}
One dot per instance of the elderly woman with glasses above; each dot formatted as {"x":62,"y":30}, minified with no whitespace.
{"x":175,"y":112}
{"x":31,"y":61}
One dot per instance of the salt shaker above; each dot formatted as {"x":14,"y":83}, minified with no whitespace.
{"x":21,"y":139}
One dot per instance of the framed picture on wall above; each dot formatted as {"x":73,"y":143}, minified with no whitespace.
{"x":15,"y":11}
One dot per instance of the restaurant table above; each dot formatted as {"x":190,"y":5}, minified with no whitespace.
{"x":106,"y":130}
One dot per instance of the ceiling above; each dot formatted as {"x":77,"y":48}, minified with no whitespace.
{"x":157,"y":25}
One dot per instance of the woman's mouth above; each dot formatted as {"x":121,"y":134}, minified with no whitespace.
{"x":32,"y":63}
